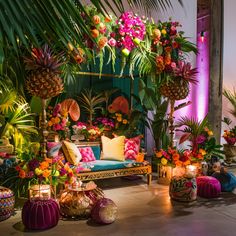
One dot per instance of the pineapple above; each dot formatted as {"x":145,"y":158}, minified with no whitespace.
{"x":178,"y":88}
{"x":43,"y":79}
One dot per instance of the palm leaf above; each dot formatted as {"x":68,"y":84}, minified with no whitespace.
{"x":231,"y":96}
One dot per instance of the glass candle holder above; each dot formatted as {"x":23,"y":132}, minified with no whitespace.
{"x":40,"y":192}
{"x":191,"y":171}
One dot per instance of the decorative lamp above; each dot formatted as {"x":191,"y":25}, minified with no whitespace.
{"x":191,"y":171}
{"x":202,"y":36}
{"x":40,"y":192}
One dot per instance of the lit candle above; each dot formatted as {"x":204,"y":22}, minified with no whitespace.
{"x":190,"y":171}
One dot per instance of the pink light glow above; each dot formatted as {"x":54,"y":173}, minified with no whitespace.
{"x":201,"y":90}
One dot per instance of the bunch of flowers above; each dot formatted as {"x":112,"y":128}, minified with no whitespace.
{"x":121,"y":122}
{"x":166,"y":36}
{"x":230,"y":136}
{"x":58,"y":120}
{"x":47,"y":170}
{"x":100,"y":28}
{"x":91,"y":133}
{"x":131,"y":30}
{"x":104,"y":123}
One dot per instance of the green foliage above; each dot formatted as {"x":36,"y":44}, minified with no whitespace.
{"x":231,"y":96}
{"x":16,"y":120}
{"x":90,"y":102}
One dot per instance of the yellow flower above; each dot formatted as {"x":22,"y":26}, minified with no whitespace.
{"x":163,"y":31}
{"x":163,"y":161}
{"x":119,"y":119}
{"x":125,"y":121}
{"x":38,"y":171}
{"x":202,"y":151}
{"x":210,"y":133}
{"x":159,"y":154}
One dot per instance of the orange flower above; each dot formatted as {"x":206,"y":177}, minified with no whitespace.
{"x":96,"y":19}
{"x":176,"y":157}
{"x":50,"y":123}
{"x":49,"y":160}
{"x":168,"y":50}
{"x":107,"y":19}
{"x":102,"y":42}
{"x":46,"y":173}
{"x":44,"y":165}
{"x":159,"y":154}
{"x":22,"y":174}
{"x":94,"y":33}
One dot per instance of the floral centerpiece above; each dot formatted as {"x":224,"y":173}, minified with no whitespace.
{"x":230,"y":133}
{"x":90,"y":132}
{"x":121,"y":122}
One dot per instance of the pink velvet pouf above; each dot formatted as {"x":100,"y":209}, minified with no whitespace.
{"x":208,"y":187}
{"x":40,"y":214}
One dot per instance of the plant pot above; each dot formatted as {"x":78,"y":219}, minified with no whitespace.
{"x":230,"y":153}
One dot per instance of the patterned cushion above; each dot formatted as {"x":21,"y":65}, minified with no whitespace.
{"x":87,"y":154}
{"x":132,"y":146}
{"x":208,"y":187}
{"x":113,"y":149}
{"x":53,"y":148}
{"x":71,"y":152}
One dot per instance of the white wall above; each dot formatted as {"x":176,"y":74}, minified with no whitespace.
{"x":229,"y":53}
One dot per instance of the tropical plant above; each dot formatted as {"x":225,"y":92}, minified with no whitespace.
{"x":90,"y":103}
{"x":201,"y":138}
{"x":231,"y":96}
{"x":15,"y":117}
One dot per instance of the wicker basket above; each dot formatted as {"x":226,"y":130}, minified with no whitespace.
{"x":164,"y":174}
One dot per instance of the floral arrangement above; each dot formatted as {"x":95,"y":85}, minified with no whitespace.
{"x":58,"y":120}
{"x":46,"y":170}
{"x":91,"y":133}
{"x":131,"y":31}
{"x":173,"y":157}
{"x":230,"y":133}
{"x":104,"y":123}
{"x":121,"y":122}
{"x":100,"y":28}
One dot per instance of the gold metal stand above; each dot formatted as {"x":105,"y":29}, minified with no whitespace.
{"x":171,"y":122}
{"x":44,"y":131}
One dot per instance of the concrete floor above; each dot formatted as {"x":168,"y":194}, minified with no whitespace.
{"x":145,"y":210}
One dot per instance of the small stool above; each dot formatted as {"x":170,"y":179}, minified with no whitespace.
{"x":7,"y":202}
{"x":40,"y":214}
{"x":104,"y":211}
{"x":208,"y":187}
{"x":183,"y":189}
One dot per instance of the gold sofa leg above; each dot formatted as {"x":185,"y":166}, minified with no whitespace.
{"x":149,"y":179}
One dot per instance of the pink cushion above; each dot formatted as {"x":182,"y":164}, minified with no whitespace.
{"x":132,"y":146}
{"x":87,"y":154}
{"x":208,"y":187}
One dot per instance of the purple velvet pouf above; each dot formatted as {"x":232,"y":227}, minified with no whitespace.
{"x":40,"y":214}
{"x":104,"y":211}
{"x":208,"y":187}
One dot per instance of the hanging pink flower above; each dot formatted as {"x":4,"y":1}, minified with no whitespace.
{"x":112,"y":42}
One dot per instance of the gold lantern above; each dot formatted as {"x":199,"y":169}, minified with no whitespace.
{"x":40,"y":192}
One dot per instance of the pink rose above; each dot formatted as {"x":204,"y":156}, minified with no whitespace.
{"x":112,"y":42}
{"x":173,"y":65}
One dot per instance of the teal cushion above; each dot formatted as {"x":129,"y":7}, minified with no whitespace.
{"x":109,"y":165}
{"x":96,"y":151}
